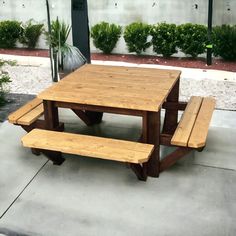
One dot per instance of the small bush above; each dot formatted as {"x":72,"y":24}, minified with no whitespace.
{"x":224,"y":42}
{"x":164,"y":39}
{"x":4,"y":80}
{"x":105,"y":36}
{"x":30,"y":34}
{"x":9,"y":33}
{"x":136,"y":37}
{"x":192,"y":39}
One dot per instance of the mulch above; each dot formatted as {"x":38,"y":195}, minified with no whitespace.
{"x":200,"y":63}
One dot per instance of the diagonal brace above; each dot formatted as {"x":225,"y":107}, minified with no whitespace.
{"x":173,"y":157}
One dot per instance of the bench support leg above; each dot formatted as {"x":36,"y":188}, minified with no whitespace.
{"x":173,"y":157}
{"x":35,"y":151}
{"x":55,"y":157}
{"x":171,"y":115}
{"x":140,"y":171}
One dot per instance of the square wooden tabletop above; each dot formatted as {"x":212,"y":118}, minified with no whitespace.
{"x":132,"y":88}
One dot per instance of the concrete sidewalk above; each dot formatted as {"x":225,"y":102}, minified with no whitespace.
{"x":86,"y":196}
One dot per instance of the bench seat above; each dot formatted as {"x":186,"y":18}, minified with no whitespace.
{"x":91,"y":146}
{"x":193,"y":127}
{"x":27,"y":114}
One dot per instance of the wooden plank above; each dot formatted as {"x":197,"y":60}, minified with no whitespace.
{"x":200,"y":130}
{"x":104,"y":86}
{"x":111,"y":91}
{"x":117,"y":101}
{"x":137,"y":78}
{"x":143,"y":85}
{"x":128,"y":70}
{"x":31,"y":116}
{"x":185,"y":126}
{"x":104,"y":148}
{"x":13,"y":117}
{"x":114,"y":110}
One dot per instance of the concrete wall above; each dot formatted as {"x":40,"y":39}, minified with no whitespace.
{"x":23,"y":10}
{"x":123,"y":12}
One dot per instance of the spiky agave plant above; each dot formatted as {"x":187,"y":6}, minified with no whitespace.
{"x":67,"y":54}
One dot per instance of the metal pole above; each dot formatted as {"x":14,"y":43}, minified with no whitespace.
{"x":49,"y":31}
{"x":209,"y":46}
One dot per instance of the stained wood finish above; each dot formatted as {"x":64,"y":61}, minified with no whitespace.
{"x":104,"y":148}
{"x":194,"y":124}
{"x":173,"y":157}
{"x":99,"y":109}
{"x":171,"y":114}
{"x":200,"y":130}
{"x":127,"y":70}
{"x":81,"y":114}
{"x":89,"y":117}
{"x":115,"y":87}
{"x":140,"y":171}
{"x":95,"y":117}
{"x":55,"y":157}
{"x":31,"y":116}
{"x":184,"y":129}
{"x":50,"y":115}
{"x":24,"y":110}
{"x":151,"y":135}
{"x":181,"y":106}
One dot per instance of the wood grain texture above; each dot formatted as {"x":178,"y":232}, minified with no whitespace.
{"x":200,"y":130}
{"x":31,"y":116}
{"x":105,"y":101}
{"x":185,"y":126}
{"x":104,"y":148}
{"x":127,"y":70}
{"x":13,"y":117}
{"x":141,"y":89}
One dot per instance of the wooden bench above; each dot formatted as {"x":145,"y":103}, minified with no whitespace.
{"x":27,"y":114}
{"x":90,"y":146}
{"x":193,"y":127}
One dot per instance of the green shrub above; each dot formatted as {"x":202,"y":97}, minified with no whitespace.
{"x":224,"y":42}
{"x":164,"y":39}
{"x":136,"y":37}
{"x":9,"y":33}
{"x":192,"y":39}
{"x":4,"y":79}
{"x":30,"y":34}
{"x":105,"y":36}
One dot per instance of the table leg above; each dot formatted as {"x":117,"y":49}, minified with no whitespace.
{"x":171,"y":115}
{"x":52,"y":123}
{"x":151,"y":134}
{"x":50,"y":115}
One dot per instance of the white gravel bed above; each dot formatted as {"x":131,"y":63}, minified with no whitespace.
{"x":28,"y":79}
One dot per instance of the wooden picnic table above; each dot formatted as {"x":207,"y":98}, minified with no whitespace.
{"x":94,"y":89}
{"x":121,"y":90}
